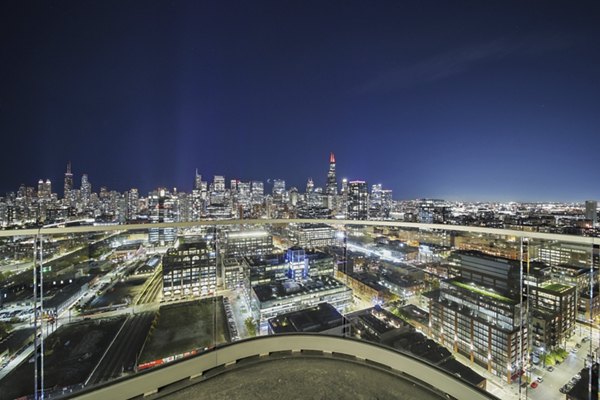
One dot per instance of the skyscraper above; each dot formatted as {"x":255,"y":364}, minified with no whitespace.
{"x":331,"y":189}
{"x":68,"y":182}
{"x":310,"y":186}
{"x":358,"y":200}
{"x":42,"y":194}
{"x":219,"y":183}
{"x":86,"y":189}
{"x":198,"y":181}
{"x":278,"y":187}
{"x":591,"y":213}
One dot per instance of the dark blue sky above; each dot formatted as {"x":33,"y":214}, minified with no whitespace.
{"x":461,"y":100}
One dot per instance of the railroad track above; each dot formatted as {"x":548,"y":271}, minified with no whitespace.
{"x":152,"y":290}
{"x":122,"y":355}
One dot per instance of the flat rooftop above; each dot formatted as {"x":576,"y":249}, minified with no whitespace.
{"x":291,"y":288}
{"x":481,"y":290}
{"x":556,"y":287}
{"x":319,"y":318}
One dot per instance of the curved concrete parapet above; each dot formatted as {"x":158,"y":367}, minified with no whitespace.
{"x":154,"y":380}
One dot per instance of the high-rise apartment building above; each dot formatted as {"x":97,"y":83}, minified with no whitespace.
{"x":358,"y":200}
{"x":133,"y":197}
{"x":86,"y":190}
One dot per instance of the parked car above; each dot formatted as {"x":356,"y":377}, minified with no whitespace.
{"x":534,"y":384}
{"x":550,"y":368}
{"x":539,"y":379}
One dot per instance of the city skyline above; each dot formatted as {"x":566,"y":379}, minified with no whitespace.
{"x":495,"y":103}
{"x":58,"y":182}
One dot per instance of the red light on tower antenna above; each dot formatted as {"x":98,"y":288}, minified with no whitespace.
{"x":332,"y":158}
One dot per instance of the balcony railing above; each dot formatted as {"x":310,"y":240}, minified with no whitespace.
{"x":126,"y":310}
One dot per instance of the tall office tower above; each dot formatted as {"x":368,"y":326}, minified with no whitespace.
{"x":376,"y":195}
{"x":219,"y":183}
{"x":344,"y":191}
{"x":244,"y":193}
{"x":233,"y":186}
{"x":358,"y":200}
{"x":86,"y":189}
{"x":331,"y":189}
{"x":197,"y":204}
{"x":132,"y":203}
{"x":310,"y":186}
{"x":197,"y":181}
{"x":48,"y":188}
{"x":68,"y":182}
{"x":278,"y":187}
{"x":293,"y":196}
{"x":591,"y":213}
{"x":258,"y":192}
{"x":184,"y":207}
{"x":41,"y":189}
{"x":161,"y":209}
{"x":386,"y":199}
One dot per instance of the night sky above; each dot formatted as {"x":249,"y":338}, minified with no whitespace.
{"x":476,"y":100}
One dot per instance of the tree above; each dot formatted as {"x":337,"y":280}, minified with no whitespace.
{"x":250,"y":326}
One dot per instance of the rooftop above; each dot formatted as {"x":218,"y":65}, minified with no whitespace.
{"x":283,"y":289}
{"x":557,"y":287}
{"x":481,"y":291}
{"x":315,"y":319}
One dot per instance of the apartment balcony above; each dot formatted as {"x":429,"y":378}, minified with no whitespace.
{"x":249,"y":314}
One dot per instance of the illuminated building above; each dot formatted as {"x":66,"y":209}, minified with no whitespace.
{"x":481,"y":324}
{"x":68,"y":185}
{"x":160,"y":206}
{"x":246,"y":243}
{"x":554,"y":312}
{"x":133,"y":197}
{"x":331,"y":188}
{"x":358,"y":200}
{"x":591,"y":211}
{"x":313,"y":235}
{"x":190,"y":269}
{"x":282,"y":297}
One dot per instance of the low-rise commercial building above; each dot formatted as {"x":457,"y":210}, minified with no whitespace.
{"x":278,"y":298}
{"x":322,"y":318}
